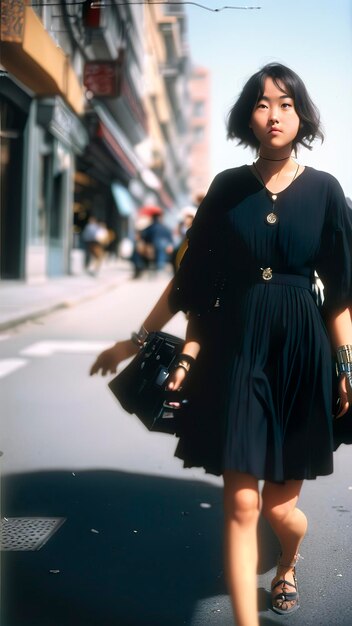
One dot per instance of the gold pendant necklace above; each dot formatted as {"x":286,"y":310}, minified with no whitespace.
{"x":272,"y":218}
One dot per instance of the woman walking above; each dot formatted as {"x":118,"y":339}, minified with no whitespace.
{"x":258,"y":348}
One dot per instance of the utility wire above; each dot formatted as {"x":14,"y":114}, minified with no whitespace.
{"x":100,"y":4}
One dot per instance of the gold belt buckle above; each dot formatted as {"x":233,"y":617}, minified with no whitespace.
{"x":267,"y":273}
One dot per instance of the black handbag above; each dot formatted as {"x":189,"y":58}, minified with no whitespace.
{"x":140,"y":387}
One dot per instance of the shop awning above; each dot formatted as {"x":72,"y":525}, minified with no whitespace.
{"x":122,"y":150}
{"x":123,"y":200}
{"x":115,"y":148}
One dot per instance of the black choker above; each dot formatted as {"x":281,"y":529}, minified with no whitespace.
{"x":266,"y":158}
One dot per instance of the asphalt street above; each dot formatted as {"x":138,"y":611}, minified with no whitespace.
{"x":141,"y":544}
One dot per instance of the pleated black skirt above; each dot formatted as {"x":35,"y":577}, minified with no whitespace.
{"x":262,"y":404}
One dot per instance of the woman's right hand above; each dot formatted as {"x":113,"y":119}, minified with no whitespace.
{"x":176,"y":379}
{"x":174,"y":383}
{"x":109,"y":359}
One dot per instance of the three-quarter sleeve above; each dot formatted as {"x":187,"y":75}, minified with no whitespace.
{"x":192,"y":284}
{"x":334,"y":264}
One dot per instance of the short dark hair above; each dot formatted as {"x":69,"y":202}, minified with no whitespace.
{"x":239,"y":116}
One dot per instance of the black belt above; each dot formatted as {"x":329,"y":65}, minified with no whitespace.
{"x":268,"y":277}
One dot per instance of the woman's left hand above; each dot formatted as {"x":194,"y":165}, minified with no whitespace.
{"x":344,"y":396}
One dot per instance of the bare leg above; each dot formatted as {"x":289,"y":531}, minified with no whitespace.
{"x":289,"y":524}
{"x":241,"y":510}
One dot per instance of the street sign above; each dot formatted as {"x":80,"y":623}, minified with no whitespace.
{"x":102,"y":78}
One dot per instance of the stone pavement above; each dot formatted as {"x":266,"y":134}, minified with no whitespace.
{"x":20,"y":301}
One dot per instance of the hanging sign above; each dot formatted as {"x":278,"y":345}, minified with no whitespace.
{"x":102,"y":79}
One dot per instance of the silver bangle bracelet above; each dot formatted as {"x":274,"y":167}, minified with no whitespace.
{"x":344,"y":359}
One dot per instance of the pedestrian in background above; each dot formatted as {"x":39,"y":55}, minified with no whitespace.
{"x":154,"y":244}
{"x":159,"y":238}
{"x":141,"y":254}
{"x":96,"y":238}
{"x":257,"y":345}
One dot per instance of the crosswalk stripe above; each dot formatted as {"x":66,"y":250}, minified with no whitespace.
{"x":8,"y":366}
{"x":47,"y":348}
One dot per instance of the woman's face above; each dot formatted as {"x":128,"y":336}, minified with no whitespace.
{"x":274,"y":120}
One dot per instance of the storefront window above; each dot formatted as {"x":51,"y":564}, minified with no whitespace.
{"x":38,"y":226}
{"x":11,"y":214}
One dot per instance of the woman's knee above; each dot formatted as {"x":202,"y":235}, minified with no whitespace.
{"x":241,"y":502}
{"x":275,"y":512}
{"x":279,"y":501}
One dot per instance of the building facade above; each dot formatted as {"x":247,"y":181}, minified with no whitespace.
{"x":95,"y":109}
{"x":168,"y":100}
{"x":199,"y":158}
{"x":42,"y":103}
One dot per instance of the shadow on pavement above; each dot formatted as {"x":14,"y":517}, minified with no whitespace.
{"x":157,"y":552}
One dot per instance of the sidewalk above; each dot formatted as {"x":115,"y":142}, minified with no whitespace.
{"x":21,"y":301}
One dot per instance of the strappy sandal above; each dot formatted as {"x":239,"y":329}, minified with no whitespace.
{"x":286,"y":602}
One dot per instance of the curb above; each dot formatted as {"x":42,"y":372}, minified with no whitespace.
{"x":62,"y":303}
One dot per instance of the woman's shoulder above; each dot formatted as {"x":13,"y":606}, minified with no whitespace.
{"x":232,"y":173}
{"x":231,"y":178}
{"x":328,"y":190}
{"x":321,"y":176}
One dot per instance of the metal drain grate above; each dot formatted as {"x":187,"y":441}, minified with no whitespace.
{"x":27,"y":533}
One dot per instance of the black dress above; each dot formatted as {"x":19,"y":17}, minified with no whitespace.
{"x":261,"y":393}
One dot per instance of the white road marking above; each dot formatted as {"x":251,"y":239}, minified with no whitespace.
{"x":47,"y":348}
{"x":8,"y":366}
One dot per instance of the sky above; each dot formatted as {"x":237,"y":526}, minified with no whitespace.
{"x":312,"y":37}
